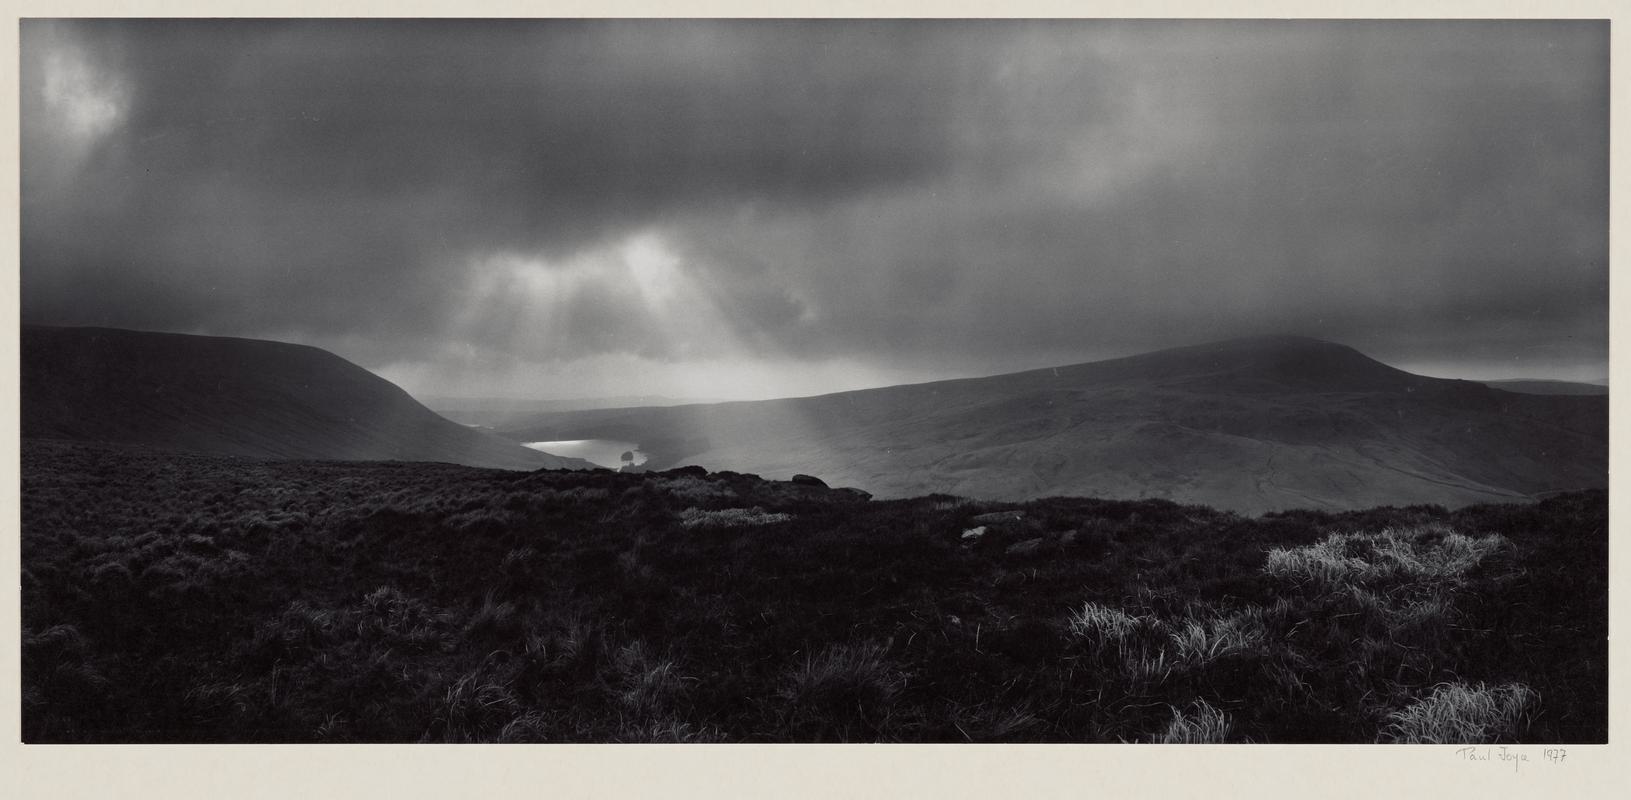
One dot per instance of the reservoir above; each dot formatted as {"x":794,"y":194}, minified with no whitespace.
{"x":600,"y":452}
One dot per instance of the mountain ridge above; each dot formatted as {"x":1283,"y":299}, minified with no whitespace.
{"x":236,"y":396}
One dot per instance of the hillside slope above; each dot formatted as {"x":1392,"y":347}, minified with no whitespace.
{"x":1548,"y":387}
{"x":241,"y":397}
{"x":1250,"y":425}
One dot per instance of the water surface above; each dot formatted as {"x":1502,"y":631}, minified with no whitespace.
{"x":600,"y":452}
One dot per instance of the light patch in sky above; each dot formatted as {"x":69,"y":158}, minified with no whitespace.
{"x":88,"y":103}
{"x":630,"y":295}
{"x":654,"y":267}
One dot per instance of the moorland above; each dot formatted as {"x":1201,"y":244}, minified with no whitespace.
{"x":176,"y":597}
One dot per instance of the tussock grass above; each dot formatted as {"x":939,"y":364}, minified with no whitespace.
{"x":730,"y":517}
{"x":56,"y":639}
{"x":1425,"y":553}
{"x":1392,"y":586}
{"x":389,"y":615}
{"x":690,"y":489}
{"x":1148,"y":665}
{"x":844,"y":672}
{"x":845,"y":692}
{"x":219,"y":699}
{"x":493,"y":620}
{"x":649,"y":686}
{"x":62,"y":658}
{"x":478,"y":706}
{"x":1201,"y":723}
{"x":993,"y":721}
{"x":1204,"y":640}
{"x":1102,"y":624}
{"x":1456,"y":713}
{"x":530,"y":727}
{"x":671,"y":731}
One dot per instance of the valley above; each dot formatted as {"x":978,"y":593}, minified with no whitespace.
{"x":1248,"y":425}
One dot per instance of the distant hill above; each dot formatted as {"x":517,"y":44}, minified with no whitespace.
{"x":1250,"y":425}
{"x":494,"y":412}
{"x":1549,"y":387}
{"x":241,"y":397}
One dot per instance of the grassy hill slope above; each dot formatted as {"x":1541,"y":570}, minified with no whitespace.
{"x":1249,"y":425}
{"x":236,"y":397}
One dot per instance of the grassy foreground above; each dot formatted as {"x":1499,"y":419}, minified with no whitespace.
{"x":176,"y":598}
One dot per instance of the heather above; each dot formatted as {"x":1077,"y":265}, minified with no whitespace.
{"x":189,"y":598}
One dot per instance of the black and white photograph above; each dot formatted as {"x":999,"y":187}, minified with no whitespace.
{"x":750,"y":381}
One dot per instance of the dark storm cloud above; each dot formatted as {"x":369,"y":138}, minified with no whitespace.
{"x":1371,"y":184}
{"x":887,"y":189}
{"x":268,"y":173}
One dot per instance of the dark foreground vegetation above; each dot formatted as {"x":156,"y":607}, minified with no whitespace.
{"x":178,"y":598}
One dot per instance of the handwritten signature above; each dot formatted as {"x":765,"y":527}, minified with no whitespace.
{"x":1509,"y":755}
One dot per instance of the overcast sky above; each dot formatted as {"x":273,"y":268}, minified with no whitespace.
{"x":746,"y":209}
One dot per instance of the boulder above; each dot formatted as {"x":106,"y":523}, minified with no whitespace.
{"x":692,"y":470}
{"x":973,"y":533}
{"x":1024,"y":548}
{"x":809,"y":480}
{"x":854,"y":494}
